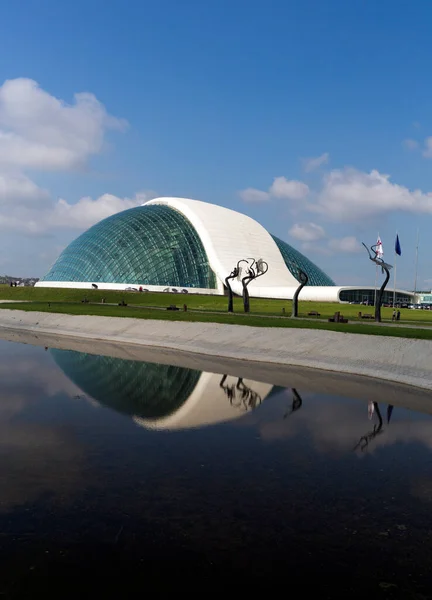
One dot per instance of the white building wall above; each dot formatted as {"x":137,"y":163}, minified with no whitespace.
{"x":229,"y":236}
{"x":80,"y":285}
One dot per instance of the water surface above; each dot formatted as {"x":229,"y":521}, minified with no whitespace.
{"x":135,"y":477}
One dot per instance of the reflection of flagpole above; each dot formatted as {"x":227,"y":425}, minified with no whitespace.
{"x":389,"y":412}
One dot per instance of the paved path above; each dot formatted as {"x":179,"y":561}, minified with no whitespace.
{"x":352,"y":320}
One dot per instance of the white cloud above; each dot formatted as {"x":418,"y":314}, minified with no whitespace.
{"x":23,"y":221}
{"x":40,"y":131}
{"x":254,"y":196}
{"x":310,"y":164}
{"x":290,"y":189}
{"x":307,"y":232}
{"x":86,"y":212}
{"x":411,"y":144}
{"x":350,"y":195}
{"x":345,"y":245}
{"x":18,"y":188}
{"x":62,"y":215}
{"x":313,"y":238}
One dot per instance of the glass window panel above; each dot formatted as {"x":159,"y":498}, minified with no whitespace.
{"x":147,"y":245}
{"x":295,"y":259}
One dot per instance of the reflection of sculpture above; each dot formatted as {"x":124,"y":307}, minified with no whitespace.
{"x":249,"y":398}
{"x":240,"y":395}
{"x":385,"y":267}
{"x":303,"y":277}
{"x":365,"y":439}
{"x":256,"y":269}
{"x":296,"y":403}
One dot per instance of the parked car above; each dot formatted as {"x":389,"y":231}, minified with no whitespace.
{"x":131,"y":289}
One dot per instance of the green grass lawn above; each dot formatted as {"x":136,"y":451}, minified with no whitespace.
{"x":201,"y":302}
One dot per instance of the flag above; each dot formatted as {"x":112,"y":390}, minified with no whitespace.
{"x":398,"y":246}
{"x":379,"y":248}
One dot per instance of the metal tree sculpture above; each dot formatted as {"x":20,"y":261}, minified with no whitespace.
{"x":234,"y":273}
{"x":255,"y":270}
{"x":385,"y":267}
{"x":303,"y":277}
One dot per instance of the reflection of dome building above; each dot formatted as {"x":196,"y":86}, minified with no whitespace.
{"x":191,"y":245}
{"x":160,"y":396}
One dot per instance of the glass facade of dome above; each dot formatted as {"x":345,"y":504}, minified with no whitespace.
{"x":152,"y":245}
{"x":295,"y":259}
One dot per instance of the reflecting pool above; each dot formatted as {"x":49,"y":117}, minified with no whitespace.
{"x":130,"y":477}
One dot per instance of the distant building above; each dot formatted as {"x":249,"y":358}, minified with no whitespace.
{"x":424,"y":297}
{"x":187,"y":245}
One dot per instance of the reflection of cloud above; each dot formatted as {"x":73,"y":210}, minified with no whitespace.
{"x":336,"y":425}
{"x":41,"y":458}
{"x":43,"y":374}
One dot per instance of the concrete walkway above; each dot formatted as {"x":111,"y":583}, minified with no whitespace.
{"x":394,"y":359}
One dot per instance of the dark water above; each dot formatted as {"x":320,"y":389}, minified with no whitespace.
{"x":126,"y":478}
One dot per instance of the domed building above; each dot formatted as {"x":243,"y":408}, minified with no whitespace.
{"x":178,"y":244}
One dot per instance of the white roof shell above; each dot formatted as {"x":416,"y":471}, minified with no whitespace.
{"x":229,"y":236}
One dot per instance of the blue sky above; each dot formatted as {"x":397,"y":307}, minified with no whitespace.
{"x":223,"y":101}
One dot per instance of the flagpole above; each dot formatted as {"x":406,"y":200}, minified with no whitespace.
{"x":416,"y":263}
{"x":376,"y":275}
{"x":394,"y":276}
